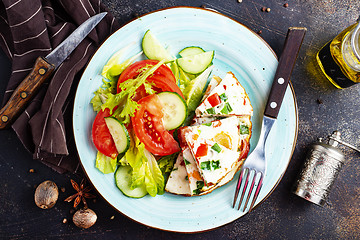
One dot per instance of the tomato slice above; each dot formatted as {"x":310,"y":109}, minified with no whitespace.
{"x":149,"y":128}
{"x":134,"y":70}
{"x":163,"y":78}
{"x":101,"y":136}
{"x":161,"y":84}
{"x":164,"y":85}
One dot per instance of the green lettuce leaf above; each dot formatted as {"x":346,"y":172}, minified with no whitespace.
{"x":111,"y":71}
{"x":105,"y":164}
{"x":138,"y":176}
{"x":176,"y":71}
{"x":166,"y":163}
{"x":150,"y":183}
{"x":96,"y":101}
{"x":115,"y":66}
{"x":184,"y":79}
{"x":154,"y":175}
{"x":145,"y":168}
{"x":100,"y":95}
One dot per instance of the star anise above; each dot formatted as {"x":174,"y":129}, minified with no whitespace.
{"x":81,"y":195}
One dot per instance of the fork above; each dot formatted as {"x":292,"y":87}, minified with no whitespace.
{"x":256,"y":162}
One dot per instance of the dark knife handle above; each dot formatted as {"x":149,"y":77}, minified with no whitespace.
{"x":293,"y":41}
{"x":26,"y":90}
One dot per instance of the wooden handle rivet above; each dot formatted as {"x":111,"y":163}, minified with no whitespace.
{"x":4,"y":118}
{"x":281,"y":81}
{"x":23,"y":95}
{"x":42,"y":71}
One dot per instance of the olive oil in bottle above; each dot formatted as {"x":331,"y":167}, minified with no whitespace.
{"x":339,"y":59}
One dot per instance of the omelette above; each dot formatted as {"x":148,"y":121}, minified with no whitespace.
{"x":228,"y":98}
{"x":177,"y":182}
{"x":216,"y":144}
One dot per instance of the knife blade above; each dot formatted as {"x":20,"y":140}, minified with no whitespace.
{"x":42,"y":70}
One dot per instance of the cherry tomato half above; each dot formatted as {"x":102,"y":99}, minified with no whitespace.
{"x":149,"y":128}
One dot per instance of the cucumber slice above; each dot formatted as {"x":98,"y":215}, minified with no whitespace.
{"x":195,"y":64}
{"x":175,"y":109}
{"x":153,"y":49}
{"x":188,"y":51}
{"x":123,"y":182}
{"x":194,"y":91}
{"x":119,"y":133}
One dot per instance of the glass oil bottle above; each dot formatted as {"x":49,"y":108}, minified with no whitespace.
{"x":339,"y":59}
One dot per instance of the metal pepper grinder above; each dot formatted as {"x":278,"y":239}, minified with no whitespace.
{"x":321,"y":169}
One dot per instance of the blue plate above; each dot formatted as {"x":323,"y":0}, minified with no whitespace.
{"x":237,"y":49}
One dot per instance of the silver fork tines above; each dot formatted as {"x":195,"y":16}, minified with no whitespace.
{"x":254,"y":164}
{"x":255,"y":182}
{"x":258,"y":187}
{"x":238,"y":186}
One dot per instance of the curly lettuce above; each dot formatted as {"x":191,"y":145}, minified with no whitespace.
{"x":115,"y":65}
{"x":111,"y":72}
{"x":128,"y":90}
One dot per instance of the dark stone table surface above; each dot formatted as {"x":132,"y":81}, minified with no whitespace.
{"x":321,"y":107}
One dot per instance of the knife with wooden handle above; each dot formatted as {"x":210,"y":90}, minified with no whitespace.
{"x":42,"y":70}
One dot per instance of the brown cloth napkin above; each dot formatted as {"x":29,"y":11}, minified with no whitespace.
{"x":32,"y":28}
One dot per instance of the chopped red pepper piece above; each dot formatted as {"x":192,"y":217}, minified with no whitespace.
{"x":214,"y":100}
{"x":202,"y":150}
